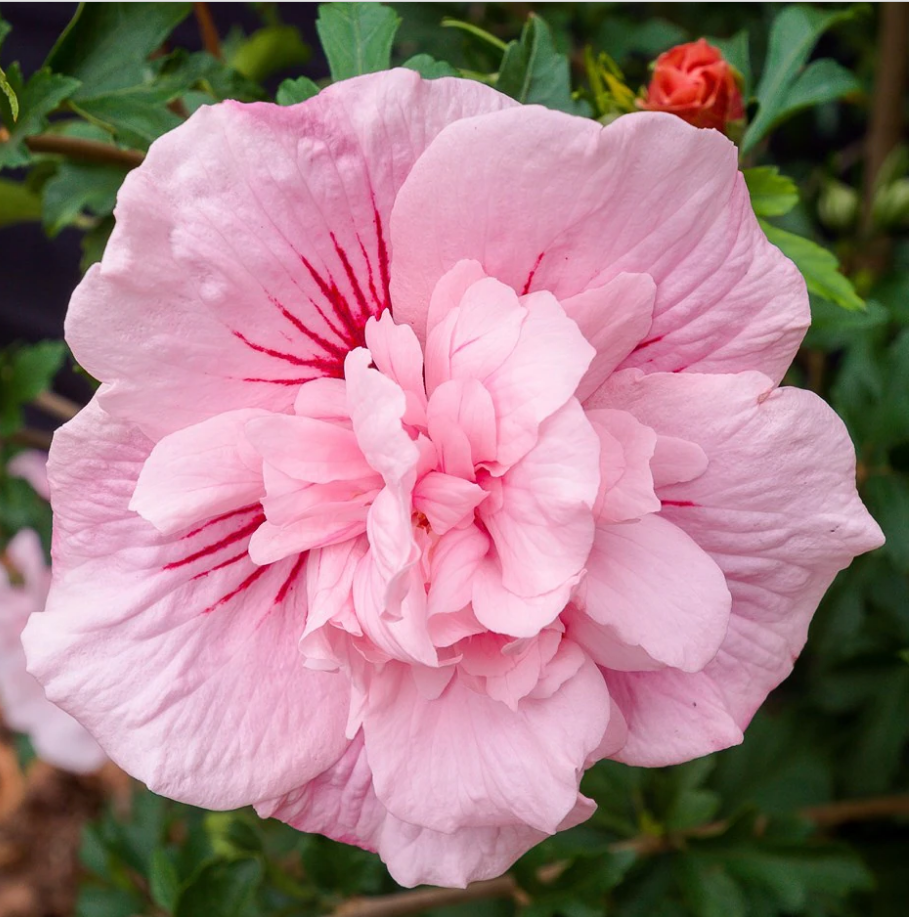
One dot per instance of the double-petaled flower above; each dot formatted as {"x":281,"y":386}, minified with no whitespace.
{"x":439,"y":454}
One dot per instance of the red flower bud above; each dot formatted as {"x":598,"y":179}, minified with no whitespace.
{"x":696,"y":83}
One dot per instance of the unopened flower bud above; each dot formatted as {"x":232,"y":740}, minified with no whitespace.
{"x":695,"y":82}
{"x":891,"y":205}
{"x":837,"y":206}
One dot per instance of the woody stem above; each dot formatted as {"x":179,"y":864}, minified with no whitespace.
{"x":402,"y":904}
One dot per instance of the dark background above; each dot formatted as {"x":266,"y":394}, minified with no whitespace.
{"x":37,"y":274}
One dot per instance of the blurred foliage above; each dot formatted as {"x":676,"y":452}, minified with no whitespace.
{"x":743,"y":832}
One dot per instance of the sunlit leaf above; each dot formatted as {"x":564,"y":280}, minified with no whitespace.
{"x":779,"y":93}
{"x":819,"y":267}
{"x":356,"y":37}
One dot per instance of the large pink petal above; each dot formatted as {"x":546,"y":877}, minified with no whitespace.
{"x":309,"y":450}
{"x":396,"y":353}
{"x":199,"y":472}
{"x":626,"y":479}
{"x":647,"y":194}
{"x":654,"y":588}
{"x":542,"y":527}
{"x":377,"y":405}
{"x":474,"y":335}
{"x":671,"y":716}
{"x":251,"y":247}
{"x":462,"y":425}
{"x":528,"y":354}
{"x":503,"y":612}
{"x":776,"y":508}
{"x":177,"y":653}
{"x":342,"y":804}
{"x":447,"y":501}
{"x":614,"y":318}
{"x":453,"y":563}
{"x":465,"y":760}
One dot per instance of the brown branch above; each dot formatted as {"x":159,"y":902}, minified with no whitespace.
{"x":849,"y":810}
{"x":34,"y":439}
{"x":207,"y":29}
{"x":424,"y":899}
{"x":57,"y":406}
{"x":403,"y":904}
{"x":886,"y":126}
{"x":87,"y":150}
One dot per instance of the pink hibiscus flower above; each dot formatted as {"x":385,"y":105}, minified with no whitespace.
{"x":24,"y":581}
{"x":439,"y":455}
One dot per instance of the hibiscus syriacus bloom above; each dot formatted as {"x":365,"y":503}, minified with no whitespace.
{"x":439,"y":455}
{"x":24,"y":581}
{"x":695,"y":82}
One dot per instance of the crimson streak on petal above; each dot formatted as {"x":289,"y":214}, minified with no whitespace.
{"x":298,"y":381}
{"x":235,"y":592}
{"x":291,"y":578}
{"x":383,"y":258}
{"x":533,"y":271}
{"x":230,"y":539}
{"x":334,"y":349}
{"x":327,"y":366}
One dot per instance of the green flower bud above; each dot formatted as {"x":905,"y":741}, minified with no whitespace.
{"x":837,"y":206}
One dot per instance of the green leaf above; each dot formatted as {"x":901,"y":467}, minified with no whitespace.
{"x":77,"y":187}
{"x":819,"y":267}
{"x":18,"y":204}
{"x":340,"y":869}
{"x":621,"y":36}
{"x":708,"y":889}
{"x":233,"y":835}
{"x":21,"y":507}
{"x":858,"y":387}
{"x":772,"y":194}
{"x":137,"y":115}
{"x":579,"y":890}
{"x":891,"y":421}
{"x":833,"y":328}
{"x":290,"y":92}
{"x":779,"y":770}
{"x":200,"y":74}
{"x":163,"y":881}
{"x":93,"y":852}
{"x":10,"y":94}
{"x":533,"y":71}
{"x":94,"y":242}
{"x":737,"y":52}
{"x":616,"y":788}
{"x":356,"y":37}
{"x":106,"y":45}
{"x":793,"y":35}
{"x":107,"y":902}
{"x":821,"y":81}
{"x":797,"y":875}
{"x":475,"y":31}
{"x":269,"y":51}
{"x":25,"y":372}
{"x":41,"y":95}
{"x":888,"y":500}
{"x":221,"y":890}
{"x":5,"y":29}
{"x":430,"y":68}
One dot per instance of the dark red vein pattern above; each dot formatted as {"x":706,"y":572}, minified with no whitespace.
{"x":248,"y":519}
{"x":344,"y":316}
{"x":346,"y":300}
